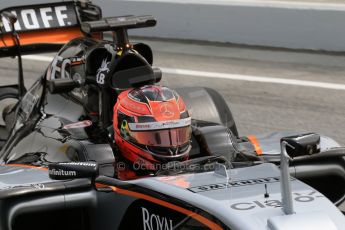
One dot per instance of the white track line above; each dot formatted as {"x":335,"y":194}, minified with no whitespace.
{"x":236,"y":77}
{"x":38,"y":58}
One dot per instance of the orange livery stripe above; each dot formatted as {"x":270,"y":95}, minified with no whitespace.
{"x":256,"y":144}
{"x":209,"y":223}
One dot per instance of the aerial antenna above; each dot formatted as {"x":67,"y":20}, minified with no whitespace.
{"x":266,"y":195}
{"x":285,"y":179}
{"x":84,"y":3}
{"x":12,"y":19}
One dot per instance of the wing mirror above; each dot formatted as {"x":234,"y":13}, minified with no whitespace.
{"x":73,"y":170}
{"x":136,"y":77}
{"x":62,"y":85}
{"x":304,"y":144}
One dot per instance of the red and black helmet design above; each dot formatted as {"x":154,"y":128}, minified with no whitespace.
{"x":152,"y":126}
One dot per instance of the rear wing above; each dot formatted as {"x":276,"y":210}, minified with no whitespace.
{"x":122,"y":22}
{"x":119,"y":27}
{"x":45,"y":27}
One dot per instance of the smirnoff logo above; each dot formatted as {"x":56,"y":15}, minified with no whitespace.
{"x":48,"y":16}
{"x":155,"y":222}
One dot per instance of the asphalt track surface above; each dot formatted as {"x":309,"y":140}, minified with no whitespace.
{"x":257,"y":107}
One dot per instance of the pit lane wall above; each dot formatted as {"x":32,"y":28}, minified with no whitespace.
{"x":293,"y":25}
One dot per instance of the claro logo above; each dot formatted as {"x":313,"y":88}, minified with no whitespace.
{"x":155,"y":222}
{"x":298,"y":197}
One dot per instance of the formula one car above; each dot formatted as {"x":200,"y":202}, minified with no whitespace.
{"x":57,"y":152}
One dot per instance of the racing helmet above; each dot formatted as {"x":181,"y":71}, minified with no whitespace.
{"x":152,"y":126}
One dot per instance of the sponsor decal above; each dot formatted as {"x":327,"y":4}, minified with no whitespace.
{"x":124,"y":130}
{"x":102,"y":71}
{"x":59,"y":67}
{"x":143,"y":214}
{"x":78,"y":125}
{"x":28,"y":103}
{"x":127,"y":103}
{"x":42,"y":17}
{"x":61,"y":172}
{"x":210,"y":187}
{"x":160,"y":125}
{"x":258,"y":204}
{"x":89,"y":164}
{"x":166,"y":111}
{"x":153,"y":221}
{"x":142,"y":126}
{"x":38,"y":186}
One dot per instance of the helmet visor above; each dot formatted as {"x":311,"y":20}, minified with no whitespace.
{"x":162,"y":138}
